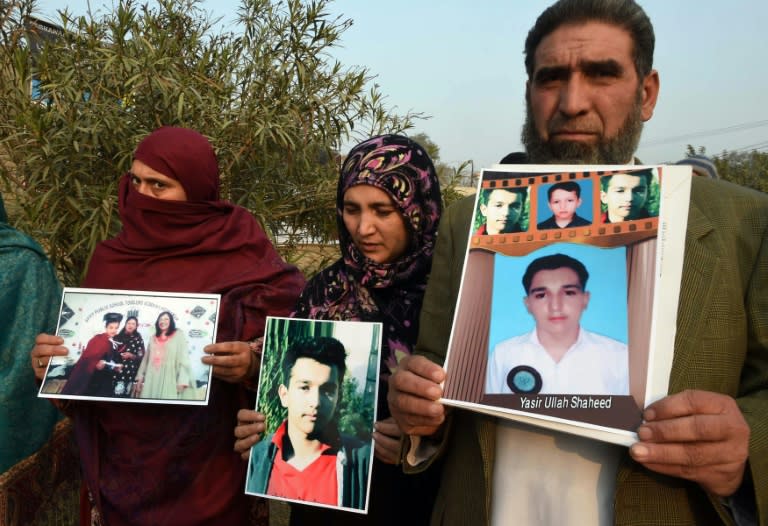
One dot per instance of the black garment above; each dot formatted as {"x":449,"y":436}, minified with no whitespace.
{"x":408,"y":501}
{"x":550,"y":223}
{"x":124,"y":380}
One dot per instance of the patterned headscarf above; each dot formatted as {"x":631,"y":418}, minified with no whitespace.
{"x":404,"y":171}
{"x":357,"y":288}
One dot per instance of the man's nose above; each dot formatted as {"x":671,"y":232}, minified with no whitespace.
{"x":556,"y":303}
{"x":574,"y":96}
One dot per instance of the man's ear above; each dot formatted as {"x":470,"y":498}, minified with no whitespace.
{"x":586,"y":299}
{"x":650,"y":93}
{"x":527,"y":307}
{"x":282,"y":392}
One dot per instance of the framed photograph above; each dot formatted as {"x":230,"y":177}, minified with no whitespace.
{"x":317,"y":388}
{"x":133,"y":346}
{"x":567,"y":307}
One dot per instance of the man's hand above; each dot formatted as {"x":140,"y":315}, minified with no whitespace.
{"x":695,"y":435}
{"x":413,"y":393}
{"x":250,"y":426}
{"x":387,"y":441}
{"x":231,"y":361}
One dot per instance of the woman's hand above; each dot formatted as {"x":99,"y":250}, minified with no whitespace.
{"x":231,"y":361}
{"x":250,"y":426}
{"x":46,"y":346}
{"x":386,"y":438}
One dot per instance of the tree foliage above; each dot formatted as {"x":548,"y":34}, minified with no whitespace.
{"x":450,"y":176}
{"x":355,"y":413}
{"x":270,"y":97}
{"x":747,"y":168}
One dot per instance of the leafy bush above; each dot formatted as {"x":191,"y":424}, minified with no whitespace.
{"x":272,"y":100}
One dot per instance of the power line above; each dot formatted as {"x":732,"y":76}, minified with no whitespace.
{"x":706,"y":133}
{"x":756,"y":146}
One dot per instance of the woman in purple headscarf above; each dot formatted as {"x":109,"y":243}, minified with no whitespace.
{"x":387,"y":209}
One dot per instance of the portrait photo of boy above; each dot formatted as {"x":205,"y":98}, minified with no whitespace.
{"x":558,"y":355}
{"x":628,"y":196}
{"x":563,"y":200}
{"x":500,"y":211}
{"x":314,"y":454}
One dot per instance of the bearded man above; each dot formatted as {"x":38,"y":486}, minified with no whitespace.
{"x":702,"y":455}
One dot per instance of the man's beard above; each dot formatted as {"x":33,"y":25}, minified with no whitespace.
{"x":616,"y":150}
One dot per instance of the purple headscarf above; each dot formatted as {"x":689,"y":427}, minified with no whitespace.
{"x":357,"y":288}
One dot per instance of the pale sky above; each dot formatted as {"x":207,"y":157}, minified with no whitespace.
{"x":461,"y":62}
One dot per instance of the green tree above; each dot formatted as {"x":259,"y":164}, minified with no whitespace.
{"x":432,"y":149}
{"x":449,"y":176}
{"x":355,"y":413}
{"x":270,"y":97}
{"x":747,"y":168}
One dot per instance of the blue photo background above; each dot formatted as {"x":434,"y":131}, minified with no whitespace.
{"x":606,"y":313}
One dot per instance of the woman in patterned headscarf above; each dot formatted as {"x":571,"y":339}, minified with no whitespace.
{"x":387,"y":209}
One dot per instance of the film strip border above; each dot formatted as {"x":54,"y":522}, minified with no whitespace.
{"x":596,"y":234}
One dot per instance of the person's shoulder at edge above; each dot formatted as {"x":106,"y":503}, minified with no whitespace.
{"x":464,"y":202}
{"x":713,"y":196}
{"x":457,"y":215}
{"x":14,"y":239}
